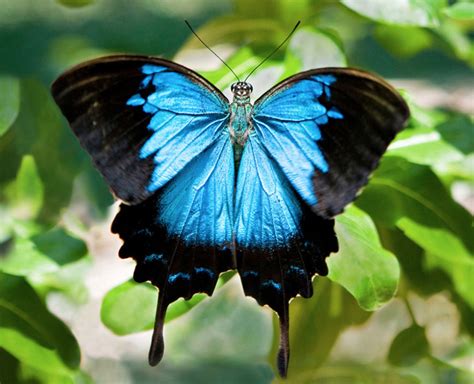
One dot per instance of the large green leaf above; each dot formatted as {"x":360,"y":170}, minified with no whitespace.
{"x":316,"y":324}
{"x":411,"y":198}
{"x":39,"y":131}
{"x":25,"y":259}
{"x":30,"y":352}
{"x":362,"y":266}
{"x":236,"y":323}
{"x":461,"y":10}
{"x":26,"y":193}
{"x":405,"y":12}
{"x":425,"y":146}
{"x":433,"y":137}
{"x":444,"y":251}
{"x":349,"y":373}
{"x":401,"y":189}
{"x":43,"y":253}
{"x":130,"y":307}
{"x":60,"y":246}
{"x":409,"y":346}
{"x":9,"y":102}
{"x":222,"y":340}
{"x":30,"y":332}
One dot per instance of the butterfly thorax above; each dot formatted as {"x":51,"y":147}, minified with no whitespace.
{"x":240,"y":123}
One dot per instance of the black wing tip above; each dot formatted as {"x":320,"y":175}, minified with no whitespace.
{"x":157,"y":347}
{"x":156,"y":352}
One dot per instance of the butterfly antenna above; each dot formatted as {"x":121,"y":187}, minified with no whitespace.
{"x":208,"y":47}
{"x":276,"y":49}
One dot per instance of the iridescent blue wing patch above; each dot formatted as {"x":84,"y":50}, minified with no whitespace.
{"x":327,"y":129}
{"x":139,"y":120}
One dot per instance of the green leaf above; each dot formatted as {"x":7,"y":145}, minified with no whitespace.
{"x":38,"y":375}
{"x":434,"y":137}
{"x":27,"y":192}
{"x":457,"y":130}
{"x":240,"y":328}
{"x":30,"y":352}
{"x":411,"y":198}
{"x":130,"y":307}
{"x":457,"y":39}
{"x":403,"y":41}
{"x":351,"y":373}
{"x":30,"y":332}
{"x":24,"y":259}
{"x":444,"y":251}
{"x":405,"y":12}
{"x":362,"y":266}
{"x":316,"y":324}
{"x":462,"y":10}
{"x":41,"y":132}
{"x":409,"y":346}
{"x":10,"y":367}
{"x":9,"y":102}
{"x":424,"y":146}
{"x":69,"y":280}
{"x":60,"y":246}
{"x":401,"y":189}
{"x":75,"y":3}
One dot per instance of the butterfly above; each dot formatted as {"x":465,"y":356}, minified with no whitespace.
{"x":210,"y":185}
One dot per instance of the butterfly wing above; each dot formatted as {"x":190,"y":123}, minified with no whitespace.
{"x":158,"y":134}
{"x":316,"y":137}
{"x":141,"y":119}
{"x":327,"y":130}
{"x":281,"y":243}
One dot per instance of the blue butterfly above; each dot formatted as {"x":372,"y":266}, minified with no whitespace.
{"x":210,"y":185}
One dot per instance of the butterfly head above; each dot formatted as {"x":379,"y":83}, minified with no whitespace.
{"x":241,"y":90}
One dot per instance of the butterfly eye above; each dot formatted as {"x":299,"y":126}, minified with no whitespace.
{"x":232,"y":87}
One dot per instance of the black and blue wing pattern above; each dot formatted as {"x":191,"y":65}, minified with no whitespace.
{"x":158,"y":134}
{"x":316,"y":137}
{"x":327,"y":129}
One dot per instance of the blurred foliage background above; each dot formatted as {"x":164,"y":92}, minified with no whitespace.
{"x":398,"y":304}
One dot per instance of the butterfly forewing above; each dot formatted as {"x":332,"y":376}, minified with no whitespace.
{"x":136,"y":116}
{"x":327,"y":129}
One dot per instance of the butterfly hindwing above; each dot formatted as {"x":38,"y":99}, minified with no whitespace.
{"x":181,"y":237}
{"x":139,"y":120}
{"x":327,"y":130}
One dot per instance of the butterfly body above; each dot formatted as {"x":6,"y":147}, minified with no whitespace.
{"x":211,"y":185}
{"x":240,"y":121}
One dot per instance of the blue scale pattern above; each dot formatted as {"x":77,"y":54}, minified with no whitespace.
{"x":288,"y":124}
{"x":194,"y":160}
